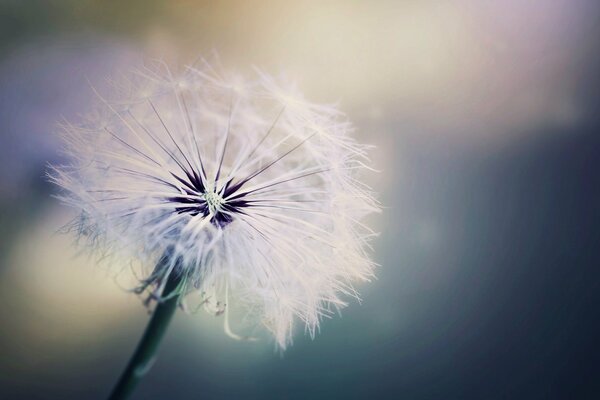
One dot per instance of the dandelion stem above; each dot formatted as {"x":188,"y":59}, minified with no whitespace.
{"x":145,"y":353}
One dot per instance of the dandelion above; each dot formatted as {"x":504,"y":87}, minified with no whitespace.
{"x":233,"y":190}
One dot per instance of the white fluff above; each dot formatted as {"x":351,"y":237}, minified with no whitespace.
{"x":153,"y":170}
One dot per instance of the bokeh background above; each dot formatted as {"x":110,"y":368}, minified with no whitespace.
{"x":486,"y":120}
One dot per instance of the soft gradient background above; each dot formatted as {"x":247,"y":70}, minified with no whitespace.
{"x":486,"y":117}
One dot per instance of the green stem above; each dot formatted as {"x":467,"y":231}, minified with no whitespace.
{"x":145,"y":353}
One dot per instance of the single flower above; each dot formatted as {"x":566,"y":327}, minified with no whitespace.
{"x":240,"y":188}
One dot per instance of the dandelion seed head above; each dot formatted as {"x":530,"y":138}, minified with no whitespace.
{"x":239,"y":185}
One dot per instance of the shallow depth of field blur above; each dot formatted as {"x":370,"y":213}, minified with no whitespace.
{"x":486,"y":120}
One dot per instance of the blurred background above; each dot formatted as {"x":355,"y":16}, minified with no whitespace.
{"x":486,"y":120}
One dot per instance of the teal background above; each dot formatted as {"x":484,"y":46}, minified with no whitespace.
{"x":485,"y":118}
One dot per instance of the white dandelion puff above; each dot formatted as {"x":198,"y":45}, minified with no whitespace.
{"x":241,"y":187}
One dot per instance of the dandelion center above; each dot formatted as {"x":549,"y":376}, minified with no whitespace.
{"x":214,"y":201}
